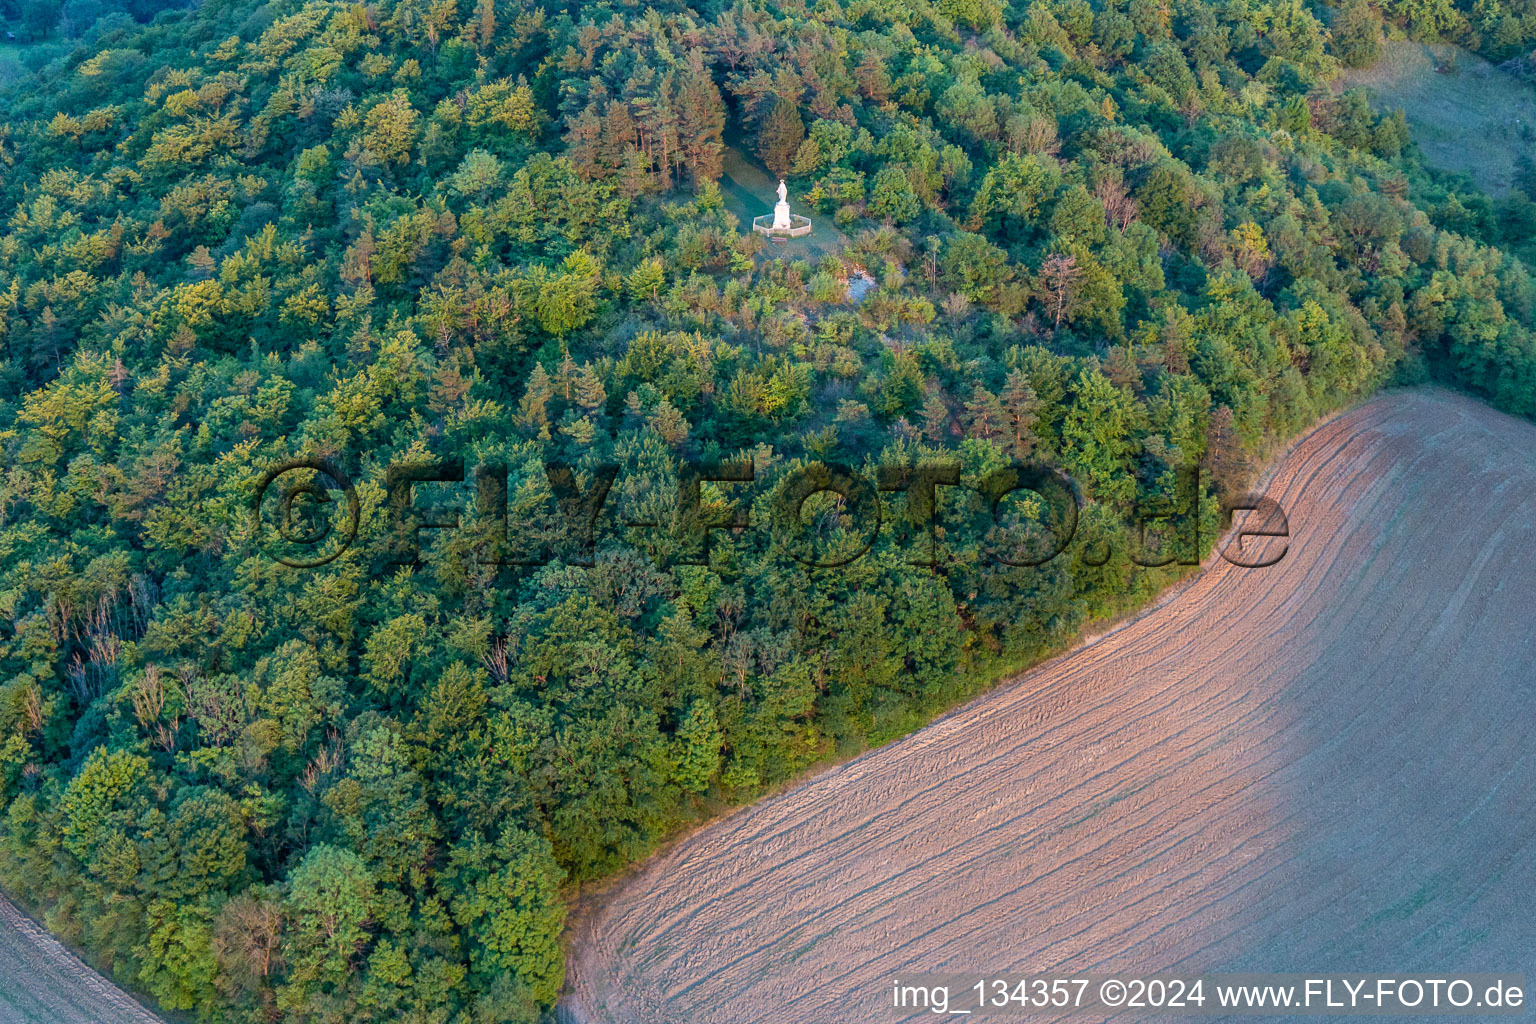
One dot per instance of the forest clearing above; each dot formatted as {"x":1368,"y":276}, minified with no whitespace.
{"x":1325,"y":764}
{"x":1467,"y":115}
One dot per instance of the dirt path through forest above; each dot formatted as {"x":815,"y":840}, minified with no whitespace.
{"x":1329,"y":764}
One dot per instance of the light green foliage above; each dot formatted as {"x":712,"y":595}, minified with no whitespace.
{"x":891,"y":196}
{"x":329,"y":905}
{"x":1096,"y":435}
{"x":507,"y":896}
{"x":102,"y":800}
{"x":391,"y":126}
{"x":699,"y":741}
{"x":178,"y":961}
{"x":478,"y":176}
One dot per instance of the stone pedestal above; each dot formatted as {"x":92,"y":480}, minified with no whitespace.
{"x":781,"y":216}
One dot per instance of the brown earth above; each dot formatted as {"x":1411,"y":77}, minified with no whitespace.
{"x":1326,"y":765}
{"x":41,"y":982}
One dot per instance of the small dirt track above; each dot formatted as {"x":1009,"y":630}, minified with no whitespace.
{"x":41,"y":982}
{"x":1326,"y":765}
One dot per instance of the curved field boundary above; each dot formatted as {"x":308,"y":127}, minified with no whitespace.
{"x":41,"y":982}
{"x":1326,"y":765}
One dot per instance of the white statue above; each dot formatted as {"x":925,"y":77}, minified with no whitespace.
{"x":781,"y":211}
{"x":781,"y":224}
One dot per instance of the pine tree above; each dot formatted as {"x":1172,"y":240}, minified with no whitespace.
{"x":701,"y":121}
{"x":1020,"y":407}
{"x":590,"y":393}
{"x":636,"y":177}
{"x":201,"y":263}
{"x":780,"y":136}
{"x":1122,"y":370}
{"x":565,"y":375}
{"x":486,"y":9}
{"x":935,"y":418}
{"x":1225,"y":459}
{"x":646,"y":280}
{"x":669,"y":423}
{"x":1058,"y":278}
{"x":532,"y":413}
{"x":582,"y":431}
{"x":983,"y":416}
{"x":634,"y":409}
{"x":1172,"y":335}
{"x":874,"y":81}
{"x":618,"y":134}
{"x":585,"y":142}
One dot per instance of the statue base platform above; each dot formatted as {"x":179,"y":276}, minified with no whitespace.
{"x":798,"y":226}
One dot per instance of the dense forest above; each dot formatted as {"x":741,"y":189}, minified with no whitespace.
{"x":1118,"y":239}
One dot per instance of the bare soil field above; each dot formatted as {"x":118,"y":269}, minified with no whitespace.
{"x":41,"y":982}
{"x":1325,"y":765}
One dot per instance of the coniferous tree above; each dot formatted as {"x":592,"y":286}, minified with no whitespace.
{"x":780,"y":136}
